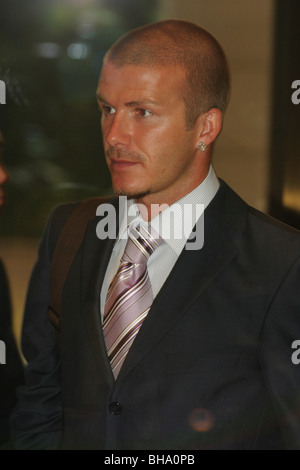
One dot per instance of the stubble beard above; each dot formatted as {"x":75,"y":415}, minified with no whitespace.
{"x":133,"y":195}
{"x":118,"y":154}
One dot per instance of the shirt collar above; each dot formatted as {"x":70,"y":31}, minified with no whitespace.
{"x":175,"y":223}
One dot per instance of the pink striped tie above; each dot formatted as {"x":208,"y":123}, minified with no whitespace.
{"x":129,"y":296}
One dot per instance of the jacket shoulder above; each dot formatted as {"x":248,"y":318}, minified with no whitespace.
{"x":258,"y":228}
{"x":274,"y":233}
{"x":61,"y":214}
{"x":274,"y":224}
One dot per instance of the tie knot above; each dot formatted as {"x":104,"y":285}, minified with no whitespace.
{"x":142,"y":242}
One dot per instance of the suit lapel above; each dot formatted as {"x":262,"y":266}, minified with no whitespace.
{"x":95,"y":257}
{"x":193,"y":272}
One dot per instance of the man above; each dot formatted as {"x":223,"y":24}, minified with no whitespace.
{"x":11,"y":367}
{"x":207,"y":365}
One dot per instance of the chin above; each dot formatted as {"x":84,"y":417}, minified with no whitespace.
{"x":132,"y":194}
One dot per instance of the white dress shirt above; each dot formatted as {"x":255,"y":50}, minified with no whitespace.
{"x":174,"y":225}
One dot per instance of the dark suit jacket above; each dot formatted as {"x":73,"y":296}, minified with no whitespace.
{"x":11,"y":373}
{"x":211,"y":367}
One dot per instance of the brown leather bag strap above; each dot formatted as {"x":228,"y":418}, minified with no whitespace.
{"x":68,"y":244}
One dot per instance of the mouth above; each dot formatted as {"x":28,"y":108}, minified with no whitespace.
{"x":120,"y":164}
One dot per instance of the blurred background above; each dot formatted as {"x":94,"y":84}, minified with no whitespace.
{"x":50,"y":58}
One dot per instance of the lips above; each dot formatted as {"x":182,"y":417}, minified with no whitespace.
{"x":122,"y":157}
{"x":122,"y":164}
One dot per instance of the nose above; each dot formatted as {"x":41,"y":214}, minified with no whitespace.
{"x":3,"y":175}
{"x":118,"y":132}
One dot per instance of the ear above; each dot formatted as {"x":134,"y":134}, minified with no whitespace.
{"x":208,"y":126}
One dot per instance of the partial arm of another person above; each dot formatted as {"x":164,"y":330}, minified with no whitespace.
{"x":36,"y":422}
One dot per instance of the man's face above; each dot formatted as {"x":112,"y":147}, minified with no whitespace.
{"x":3,"y":173}
{"x":148,"y":150}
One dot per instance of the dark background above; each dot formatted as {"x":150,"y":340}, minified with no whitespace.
{"x":284,"y":194}
{"x":50,"y":58}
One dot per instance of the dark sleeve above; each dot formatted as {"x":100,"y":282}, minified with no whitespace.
{"x":36,"y":422}
{"x":279,"y":337}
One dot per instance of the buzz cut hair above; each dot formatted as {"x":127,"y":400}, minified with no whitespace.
{"x":182,"y":44}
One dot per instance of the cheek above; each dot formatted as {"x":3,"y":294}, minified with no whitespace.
{"x":104,"y":131}
{"x":169,"y":152}
{"x":162,"y":167}
{"x":159,"y":141}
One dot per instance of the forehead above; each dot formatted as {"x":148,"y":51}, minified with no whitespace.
{"x":134,"y":80}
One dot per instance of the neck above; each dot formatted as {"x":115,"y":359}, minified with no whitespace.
{"x":152,"y":204}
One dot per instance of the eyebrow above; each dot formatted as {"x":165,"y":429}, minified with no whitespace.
{"x":101,"y":99}
{"x":141,"y":103}
{"x":130,"y":104}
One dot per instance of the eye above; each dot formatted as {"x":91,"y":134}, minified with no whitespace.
{"x":143,"y":112}
{"x":106,"y":109}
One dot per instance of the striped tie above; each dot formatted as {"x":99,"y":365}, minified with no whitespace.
{"x":129,"y":296}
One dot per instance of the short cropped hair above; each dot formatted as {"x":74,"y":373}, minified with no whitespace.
{"x":184,"y":44}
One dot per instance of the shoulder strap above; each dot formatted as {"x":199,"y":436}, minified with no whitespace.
{"x":65,"y":250}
